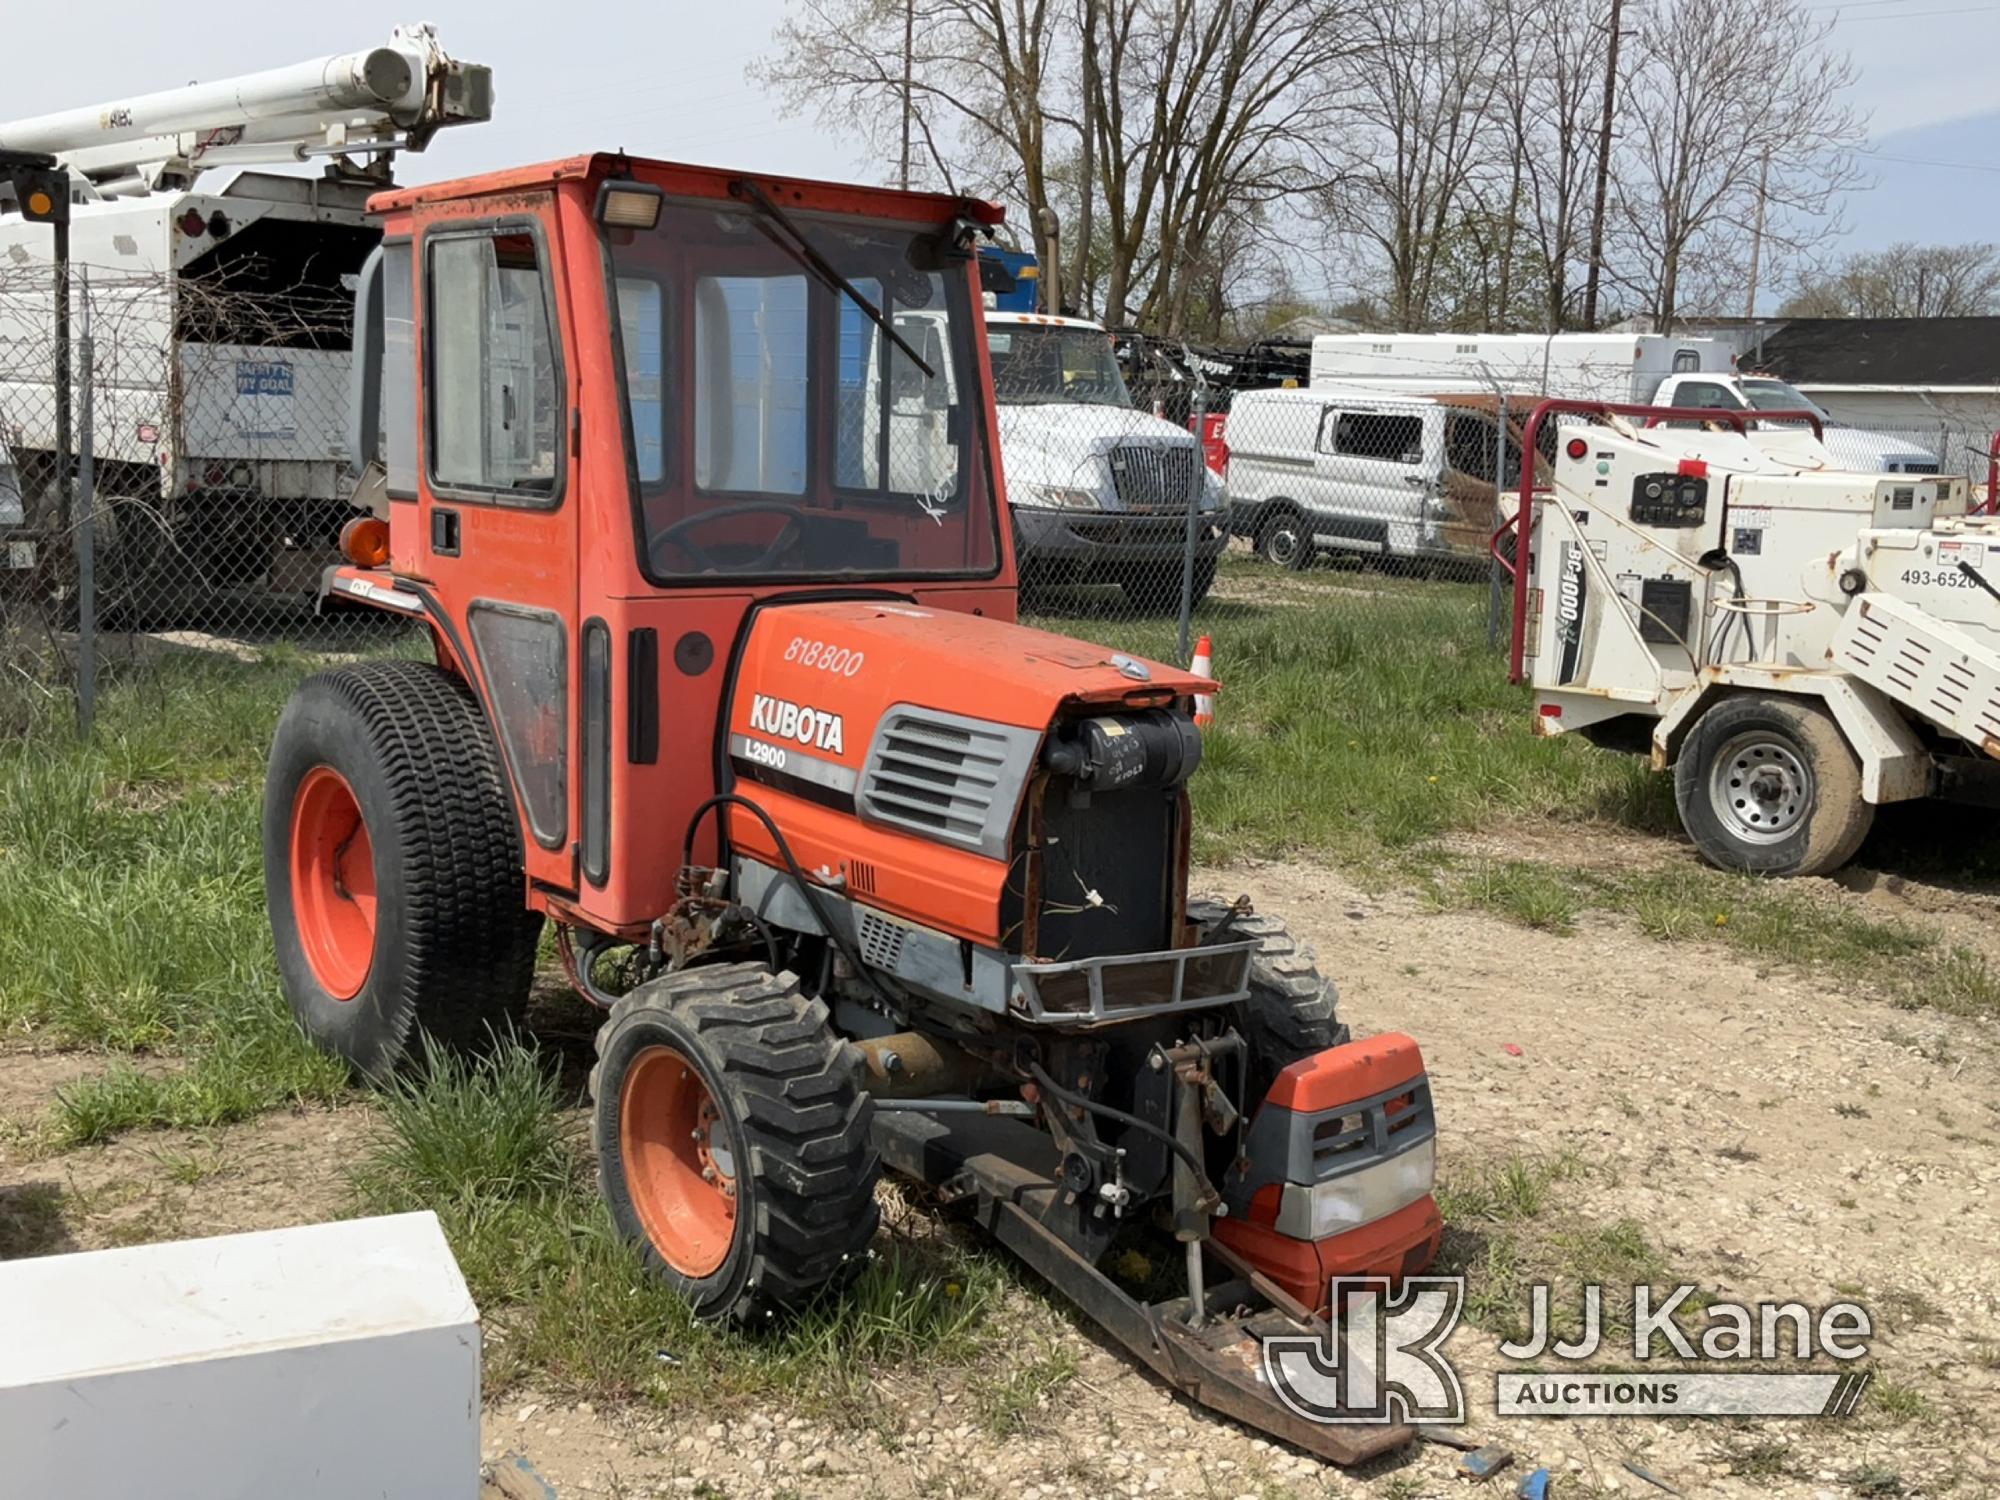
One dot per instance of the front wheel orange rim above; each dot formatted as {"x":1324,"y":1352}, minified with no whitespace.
{"x":679,"y":1165}
{"x":333,"y":882}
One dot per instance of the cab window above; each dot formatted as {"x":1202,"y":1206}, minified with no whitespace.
{"x":779,"y":430}
{"x":492,"y":385}
{"x":1705,"y":394}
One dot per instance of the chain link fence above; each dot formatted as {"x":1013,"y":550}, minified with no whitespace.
{"x":1368,"y":509}
{"x":188,"y":487}
{"x":1158,"y":493}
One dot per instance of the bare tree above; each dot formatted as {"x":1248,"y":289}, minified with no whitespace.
{"x":1905,"y":281}
{"x":1718,"y":87}
{"x":1154,"y":122}
{"x":1207,"y":112}
{"x":982,"y":75}
{"x":1550,"y":89}
{"x":1420,"y":94}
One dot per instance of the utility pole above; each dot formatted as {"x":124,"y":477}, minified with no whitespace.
{"x":909,"y":35}
{"x":1757,"y":234}
{"x":1603,"y":170}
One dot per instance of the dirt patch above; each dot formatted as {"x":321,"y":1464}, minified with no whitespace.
{"x":29,"y":1082}
{"x":280,"y":1169}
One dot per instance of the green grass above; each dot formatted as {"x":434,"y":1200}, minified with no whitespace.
{"x":132,"y":902}
{"x":483,"y":1144}
{"x":1751,"y":1457}
{"x":1521,"y":1220}
{"x":1361,"y":713}
{"x":1762,"y":919}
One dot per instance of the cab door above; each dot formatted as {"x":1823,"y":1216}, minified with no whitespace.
{"x":497,"y":507}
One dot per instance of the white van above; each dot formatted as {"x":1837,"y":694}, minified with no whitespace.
{"x":1346,"y":469}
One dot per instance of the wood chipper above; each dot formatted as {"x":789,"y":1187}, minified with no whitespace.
{"x":691,"y":477}
{"x":1800,"y":643}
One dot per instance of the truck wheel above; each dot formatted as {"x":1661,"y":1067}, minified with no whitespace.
{"x":1157,"y":590}
{"x":1292,"y":1011}
{"x":732,"y":1138}
{"x":1770,"y":785}
{"x":392,"y":866}
{"x":1284,"y":538}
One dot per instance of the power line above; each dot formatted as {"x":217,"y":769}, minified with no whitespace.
{"x":1925,"y":161}
{"x":1914,"y":15}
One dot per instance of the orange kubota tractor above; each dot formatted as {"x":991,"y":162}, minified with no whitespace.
{"x":692,"y":478}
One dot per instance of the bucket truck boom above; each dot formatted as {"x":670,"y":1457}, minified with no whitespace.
{"x":226,"y":324}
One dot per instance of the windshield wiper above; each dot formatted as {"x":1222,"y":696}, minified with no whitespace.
{"x":801,"y":250}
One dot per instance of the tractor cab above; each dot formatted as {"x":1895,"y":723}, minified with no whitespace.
{"x":618,"y":405}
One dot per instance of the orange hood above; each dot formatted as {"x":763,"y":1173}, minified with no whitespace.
{"x":815,"y":682}
{"x":857,"y":658}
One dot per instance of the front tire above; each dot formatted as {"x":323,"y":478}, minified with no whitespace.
{"x":1292,"y":1011}
{"x":1769,"y":785}
{"x":1284,"y":539}
{"x":732,"y":1136}
{"x":392,"y":866}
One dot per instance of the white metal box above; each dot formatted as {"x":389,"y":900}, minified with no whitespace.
{"x":320,"y":1363}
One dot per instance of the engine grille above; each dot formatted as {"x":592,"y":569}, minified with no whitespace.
{"x":881,"y":940}
{"x":947,"y":777}
{"x":1152,"y":476}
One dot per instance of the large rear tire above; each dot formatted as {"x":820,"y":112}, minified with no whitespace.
{"x":392,"y":866}
{"x":732,"y":1137}
{"x":1293,"y":1011}
{"x":1770,"y":785}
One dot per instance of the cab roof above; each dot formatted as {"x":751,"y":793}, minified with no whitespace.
{"x":791,"y":192}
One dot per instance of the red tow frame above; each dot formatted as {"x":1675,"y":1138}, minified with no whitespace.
{"x":1518,"y":522}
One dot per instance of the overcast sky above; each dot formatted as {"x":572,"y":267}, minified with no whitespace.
{"x":668,"y":79}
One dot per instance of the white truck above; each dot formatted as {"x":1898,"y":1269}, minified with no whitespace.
{"x":1099,"y":490}
{"x":1653,"y":369}
{"x":1797,"y":643}
{"x":223,"y":319}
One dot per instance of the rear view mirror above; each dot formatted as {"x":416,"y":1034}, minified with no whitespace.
{"x":995,"y":277}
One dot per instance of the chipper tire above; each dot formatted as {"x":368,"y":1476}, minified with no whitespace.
{"x":1769,"y":785}
{"x":1293,"y":1011}
{"x":392,"y":867}
{"x":732,"y":1135}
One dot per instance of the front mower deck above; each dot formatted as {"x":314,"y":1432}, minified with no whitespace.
{"x":1009,"y":1168}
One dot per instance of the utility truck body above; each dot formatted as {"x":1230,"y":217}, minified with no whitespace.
{"x":222,"y":318}
{"x":1799,"y":644}
{"x":1652,"y":369}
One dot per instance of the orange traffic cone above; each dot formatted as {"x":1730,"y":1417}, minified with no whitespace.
{"x":1204,"y":666}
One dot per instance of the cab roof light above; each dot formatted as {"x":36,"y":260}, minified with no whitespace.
{"x":624,"y":204}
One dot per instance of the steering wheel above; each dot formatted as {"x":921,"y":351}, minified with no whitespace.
{"x":788,"y":535}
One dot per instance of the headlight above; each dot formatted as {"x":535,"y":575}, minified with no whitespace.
{"x":1211,"y":489}
{"x":1374,"y":1192}
{"x":1055,"y":496}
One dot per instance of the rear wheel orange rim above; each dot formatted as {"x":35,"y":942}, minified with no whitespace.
{"x":679,"y":1165}
{"x":333,"y":882}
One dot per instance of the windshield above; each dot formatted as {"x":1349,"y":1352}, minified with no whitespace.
{"x":1775,"y":395}
{"x":775,"y":431}
{"x":1036,"y":363}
